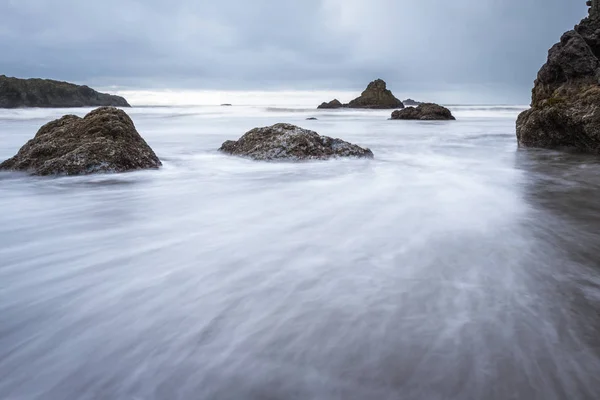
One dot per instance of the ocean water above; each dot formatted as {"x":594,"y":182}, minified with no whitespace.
{"x":452,"y":266}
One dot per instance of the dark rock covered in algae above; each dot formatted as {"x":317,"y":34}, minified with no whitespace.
{"x":16,"y":93}
{"x":103,"y":141}
{"x":565,"y":106}
{"x":424,"y":112}
{"x":286,"y":142}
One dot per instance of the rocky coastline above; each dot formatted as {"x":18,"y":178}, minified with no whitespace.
{"x":46,"y":93}
{"x":565,"y":103}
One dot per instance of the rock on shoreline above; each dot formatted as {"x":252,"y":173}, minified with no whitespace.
{"x":565,"y":103}
{"x":286,"y":142}
{"x":18,"y":93}
{"x":103,"y":141}
{"x":424,"y":112}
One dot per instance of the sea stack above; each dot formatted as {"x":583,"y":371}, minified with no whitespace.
{"x":103,"y":141}
{"x":376,"y":96}
{"x":565,"y":104}
{"x":286,"y":142}
{"x":19,"y":93}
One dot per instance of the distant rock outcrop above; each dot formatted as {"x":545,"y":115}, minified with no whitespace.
{"x":16,"y":93}
{"x":226,"y":105}
{"x":376,"y":95}
{"x":565,"y":106}
{"x":286,"y":142}
{"x":411,"y":102}
{"x":424,"y":112}
{"x":335,"y":103}
{"x":103,"y":141}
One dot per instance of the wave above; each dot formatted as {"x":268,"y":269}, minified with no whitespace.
{"x":285,"y":109}
{"x":488,"y":108}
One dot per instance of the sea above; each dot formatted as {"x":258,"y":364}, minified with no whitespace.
{"x":453,"y":266}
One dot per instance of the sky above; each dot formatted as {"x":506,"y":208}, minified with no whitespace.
{"x":479,"y":51}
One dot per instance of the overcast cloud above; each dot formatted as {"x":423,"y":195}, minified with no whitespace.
{"x":419,"y":45}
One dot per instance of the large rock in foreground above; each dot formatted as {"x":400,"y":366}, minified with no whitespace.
{"x":565,"y":106}
{"x":335,"y":103}
{"x":424,"y":112}
{"x":286,"y":142}
{"x":103,"y":141}
{"x":377,"y":96}
{"x":15,"y":93}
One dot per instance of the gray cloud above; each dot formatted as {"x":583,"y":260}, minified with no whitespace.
{"x":306,"y":45}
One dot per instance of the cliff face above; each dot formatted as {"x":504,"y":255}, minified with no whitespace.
{"x":15,"y":93}
{"x":565,"y":104}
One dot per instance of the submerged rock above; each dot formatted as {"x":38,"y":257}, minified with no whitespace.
{"x":335,"y":103}
{"x":16,"y":93}
{"x":103,"y":141}
{"x":286,"y":142}
{"x":376,"y":95}
{"x":424,"y":112}
{"x":311,"y":119}
{"x":565,"y":104}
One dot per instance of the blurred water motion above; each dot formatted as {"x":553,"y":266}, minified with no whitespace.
{"x":453,"y":266}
